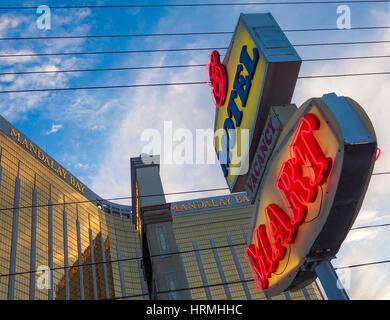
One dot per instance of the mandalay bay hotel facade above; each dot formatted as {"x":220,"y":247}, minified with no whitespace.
{"x":59,"y":240}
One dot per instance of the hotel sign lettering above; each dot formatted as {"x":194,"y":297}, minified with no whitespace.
{"x":46,"y":160}
{"x":264,"y":149}
{"x":220,"y":202}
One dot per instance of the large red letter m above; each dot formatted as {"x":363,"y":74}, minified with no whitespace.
{"x":259,"y":257}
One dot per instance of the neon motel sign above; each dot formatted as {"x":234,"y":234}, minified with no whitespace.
{"x":260,"y":69}
{"x":306,"y":169}
{"x":311,"y":192}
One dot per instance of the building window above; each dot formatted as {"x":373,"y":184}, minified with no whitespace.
{"x":162,"y":239}
{"x":171,"y":281}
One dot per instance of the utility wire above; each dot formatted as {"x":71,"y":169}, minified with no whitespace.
{"x":372,"y":226}
{"x":106,"y":87}
{"x":176,"y":83}
{"x":105,"y":52}
{"x":380,"y":173}
{"x":101,"y":201}
{"x":172,"y":66}
{"x":120,"y":260}
{"x":241,"y":281}
{"x":185,"y":289}
{"x":14,"y":55}
{"x":138,"y":35}
{"x":363,"y":264}
{"x":215,"y":4}
{"x":165,"y":34}
{"x":178,"y":252}
{"x":338,"y":43}
{"x":104,"y":69}
{"x":342,"y":75}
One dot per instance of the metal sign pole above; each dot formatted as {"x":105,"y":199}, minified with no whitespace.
{"x":330,"y":282}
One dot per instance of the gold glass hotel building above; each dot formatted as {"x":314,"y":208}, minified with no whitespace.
{"x":59,"y":240}
{"x":48,"y":221}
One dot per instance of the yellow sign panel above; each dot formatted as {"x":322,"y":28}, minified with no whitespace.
{"x":243,"y":44}
{"x":261,"y":70}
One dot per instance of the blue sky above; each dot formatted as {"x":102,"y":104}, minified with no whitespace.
{"x":93,"y":133}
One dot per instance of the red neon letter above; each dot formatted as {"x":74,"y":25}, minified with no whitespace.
{"x":295,"y":190}
{"x":260,"y":253}
{"x":217,"y":78}
{"x":305,"y":147}
{"x":281,"y":229}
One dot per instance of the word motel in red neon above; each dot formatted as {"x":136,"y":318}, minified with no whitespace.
{"x":297,"y":182}
{"x":217,"y":78}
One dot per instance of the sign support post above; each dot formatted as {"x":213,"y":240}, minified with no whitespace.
{"x":330,"y":282}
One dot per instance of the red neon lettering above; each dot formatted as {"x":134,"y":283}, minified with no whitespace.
{"x":260,"y":253}
{"x":217,"y":78}
{"x":305,"y":147}
{"x":297,"y":190}
{"x":281,"y":229}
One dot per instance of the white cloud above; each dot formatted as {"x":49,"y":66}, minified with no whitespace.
{"x":83,"y":166}
{"x":7,"y":78}
{"x":10,"y":21}
{"x":54,"y":128}
{"x":367,"y":282}
{"x":148,"y":108}
{"x":363,"y":234}
{"x":15,"y":105}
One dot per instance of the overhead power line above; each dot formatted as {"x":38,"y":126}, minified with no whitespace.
{"x":173,"y":253}
{"x":191,"y":5}
{"x":101,"y":201}
{"x":104,"y":69}
{"x":42,"y":54}
{"x":185,"y":289}
{"x":170,"y":34}
{"x":363,"y":264}
{"x":240,"y":281}
{"x":176,"y":83}
{"x":338,"y":43}
{"x":106,"y":87}
{"x":342,"y":75}
{"x":122,"y":260}
{"x":372,"y":226}
{"x":380,"y":173}
{"x":171,"y":66}
{"x":178,"y":252}
{"x":118,"y":35}
{"x":13,"y":55}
